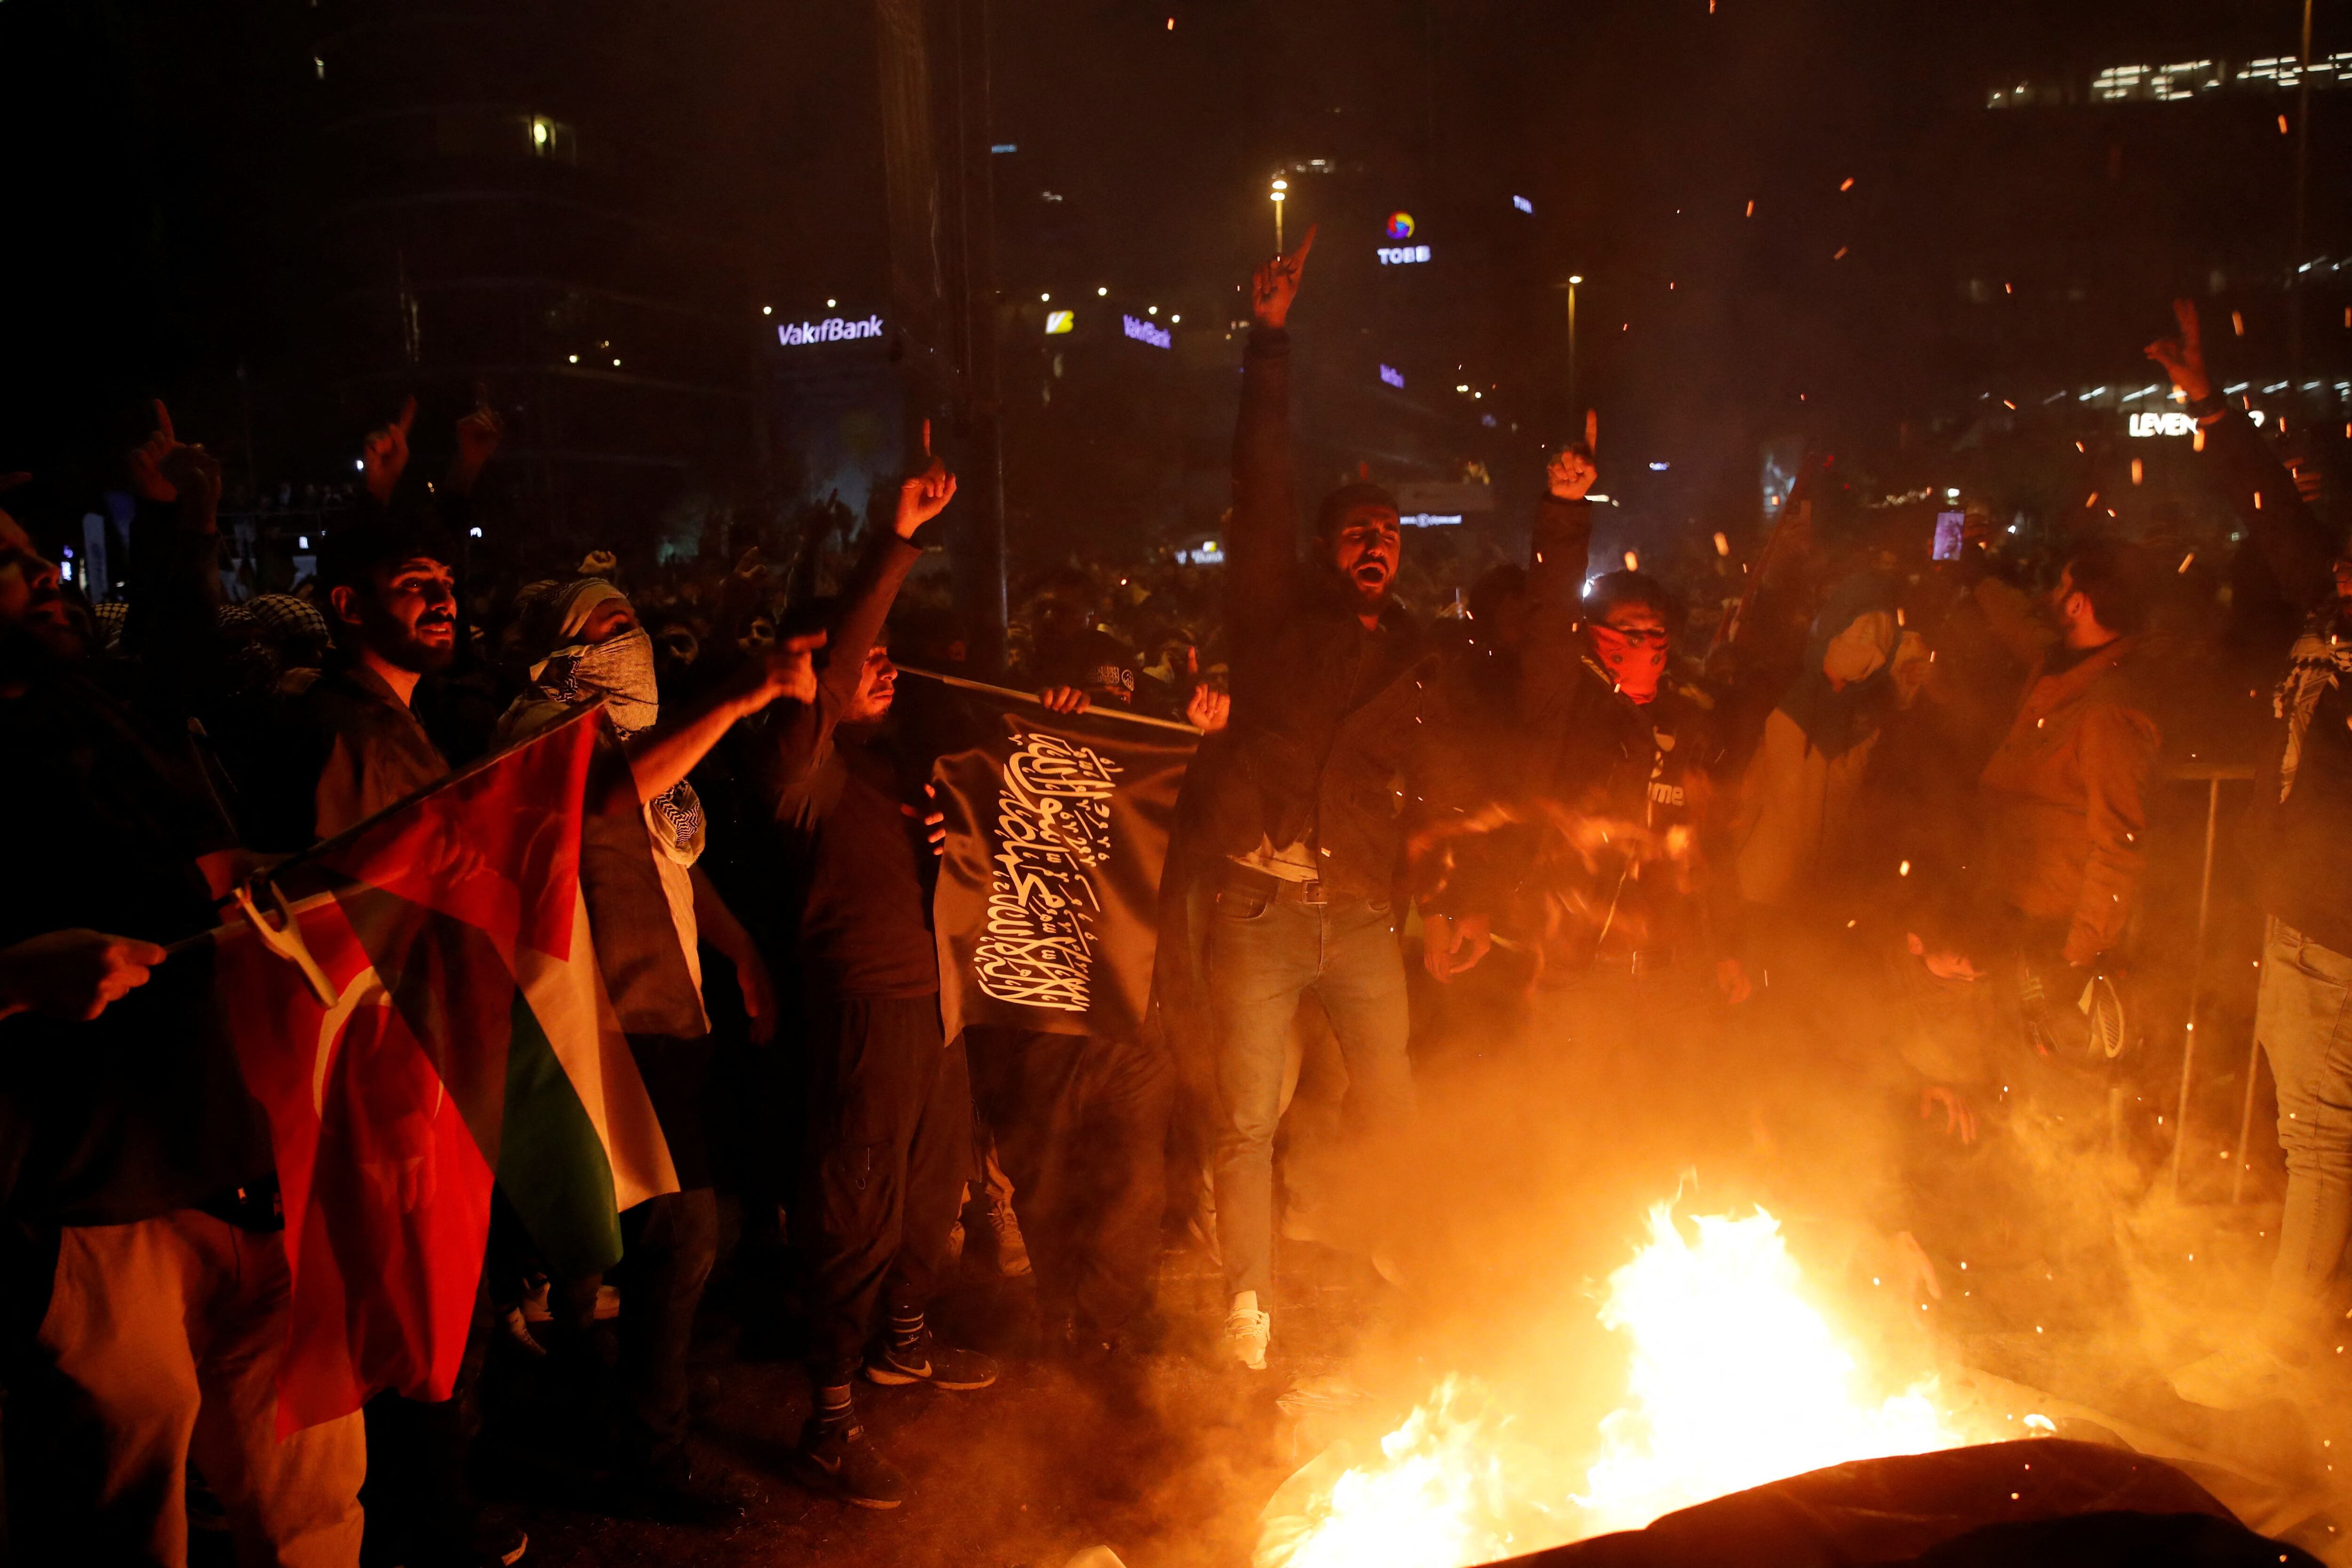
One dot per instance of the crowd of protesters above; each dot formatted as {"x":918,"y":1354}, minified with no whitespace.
{"x":1649,"y":834}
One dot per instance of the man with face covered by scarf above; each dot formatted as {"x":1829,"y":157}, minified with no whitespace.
{"x":649,"y":910}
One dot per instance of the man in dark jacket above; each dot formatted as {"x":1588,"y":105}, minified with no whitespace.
{"x":2063,"y":794}
{"x":889,"y":1138}
{"x":134,"y":1151}
{"x":1333,"y":754}
{"x":2303,"y":838}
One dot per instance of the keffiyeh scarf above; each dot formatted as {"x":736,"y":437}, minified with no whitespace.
{"x":620,"y":669}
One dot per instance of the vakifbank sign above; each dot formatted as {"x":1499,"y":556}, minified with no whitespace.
{"x":1143,"y":332}
{"x":832,"y":329}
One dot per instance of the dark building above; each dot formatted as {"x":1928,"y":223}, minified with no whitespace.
{"x":519,"y":210}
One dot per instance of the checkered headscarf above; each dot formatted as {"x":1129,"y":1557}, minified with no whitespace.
{"x":284,"y":618}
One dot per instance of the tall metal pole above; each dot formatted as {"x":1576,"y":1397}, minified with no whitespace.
{"x":2302,"y":208}
{"x":2195,"y":977}
{"x":984,"y":572}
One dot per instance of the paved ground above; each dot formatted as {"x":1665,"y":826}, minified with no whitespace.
{"x":1169,"y":1474}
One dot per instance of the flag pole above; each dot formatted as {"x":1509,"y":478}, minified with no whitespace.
{"x":1032,"y":699}
{"x":268,"y":874}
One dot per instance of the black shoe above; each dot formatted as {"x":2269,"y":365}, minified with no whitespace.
{"x":843,"y":1460}
{"x":928,"y":1360}
{"x":669,"y":1492}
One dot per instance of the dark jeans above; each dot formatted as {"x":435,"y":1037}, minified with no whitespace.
{"x":667,"y":1245}
{"x":1082,"y":1129}
{"x":889,"y":1148}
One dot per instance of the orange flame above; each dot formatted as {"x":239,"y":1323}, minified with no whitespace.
{"x":1734,"y":1379}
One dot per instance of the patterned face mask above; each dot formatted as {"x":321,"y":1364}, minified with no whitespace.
{"x":620,"y":669}
{"x":1634,"y":658}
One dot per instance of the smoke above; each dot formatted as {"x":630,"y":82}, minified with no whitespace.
{"x":2020,"y":1229}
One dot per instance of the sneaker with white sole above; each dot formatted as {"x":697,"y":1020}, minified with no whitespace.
{"x":1247,"y":1330}
{"x":928,"y":1360}
{"x":1011,"y":1252}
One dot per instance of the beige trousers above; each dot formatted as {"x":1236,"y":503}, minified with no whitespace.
{"x":166,"y":1334}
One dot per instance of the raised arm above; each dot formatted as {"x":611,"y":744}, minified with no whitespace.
{"x":2299,"y":548}
{"x":1561,"y":553}
{"x":175,"y":594}
{"x":800,"y":736}
{"x":1262,"y":546}
{"x":660,"y":758}
{"x":922,"y":496}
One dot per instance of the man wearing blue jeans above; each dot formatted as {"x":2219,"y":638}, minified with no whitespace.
{"x":1336,"y":752}
{"x":2302,"y":1012}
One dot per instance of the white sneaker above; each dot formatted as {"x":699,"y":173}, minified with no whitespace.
{"x":1246,"y":1332}
{"x":1011,"y":1252}
{"x":2245,"y":1375}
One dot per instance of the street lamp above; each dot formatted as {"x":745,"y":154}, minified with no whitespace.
{"x":1573,"y":279}
{"x":1280,"y":192}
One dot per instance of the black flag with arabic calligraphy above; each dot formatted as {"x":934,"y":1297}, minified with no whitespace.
{"x":1048,"y":899}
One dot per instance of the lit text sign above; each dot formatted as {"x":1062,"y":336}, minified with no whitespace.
{"x":1402,"y":255}
{"x":1430,"y":520}
{"x":1143,"y":332}
{"x":1060,"y":321}
{"x":2172,"y":421}
{"x":1392,"y":376}
{"x":1524,"y":204}
{"x":832,"y":329}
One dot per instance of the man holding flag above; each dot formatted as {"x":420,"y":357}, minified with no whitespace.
{"x":652,"y":908}
{"x":133,"y":1153}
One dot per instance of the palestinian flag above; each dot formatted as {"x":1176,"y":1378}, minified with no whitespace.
{"x":470,"y":1041}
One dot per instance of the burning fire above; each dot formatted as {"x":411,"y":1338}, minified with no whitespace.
{"x":1735,"y":1380}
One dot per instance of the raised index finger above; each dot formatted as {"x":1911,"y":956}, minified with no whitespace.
{"x":926,"y":442}
{"x":408,"y":414}
{"x":163,"y":421}
{"x":1592,"y":431}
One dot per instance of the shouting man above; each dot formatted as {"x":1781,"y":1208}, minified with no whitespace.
{"x":1335,"y":702}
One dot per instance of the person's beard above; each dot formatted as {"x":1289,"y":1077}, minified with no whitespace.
{"x":29,"y":649}
{"x":413,"y":653}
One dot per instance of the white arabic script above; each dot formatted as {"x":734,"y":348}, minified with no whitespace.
{"x":1052,"y":824}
